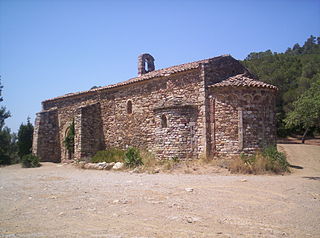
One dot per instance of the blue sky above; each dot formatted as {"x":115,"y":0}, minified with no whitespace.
{"x":52,"y":47}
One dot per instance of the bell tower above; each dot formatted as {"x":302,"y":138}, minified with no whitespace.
{"x":145,"y":64}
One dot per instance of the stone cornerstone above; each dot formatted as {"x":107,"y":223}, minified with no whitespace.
{"x":207,"y":108}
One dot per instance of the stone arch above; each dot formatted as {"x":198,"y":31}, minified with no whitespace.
{"x":66,"y":131}
{"x":221,"y":97}
{"x":69,"y":139}
{"x":257,"y":98}
{"x":232,"y":97}
{"x":143,"y":61}
{"x":247,"y":98}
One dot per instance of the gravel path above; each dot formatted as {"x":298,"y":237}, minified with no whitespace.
{"x":61,"y":201}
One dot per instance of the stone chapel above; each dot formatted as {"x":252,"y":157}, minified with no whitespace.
{"x":212,"y":107}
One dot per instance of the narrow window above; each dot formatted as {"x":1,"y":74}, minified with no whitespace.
{"x":129,"y":107}
{"x":240,"y":128}
{"x":164,"y":122}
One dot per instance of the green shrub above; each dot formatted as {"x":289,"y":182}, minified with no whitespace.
{"x":5,"y":159}
{"x":277,"y":161}
{"x":269,"y":160}
{"x":132,"y":157}
{"x":109,"y":155}
{"x":69,"y":139}
{"x":30,"y":161}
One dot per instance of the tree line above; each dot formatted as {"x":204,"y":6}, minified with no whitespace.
{"x":296,"y":73}
{"x":14,"y":147}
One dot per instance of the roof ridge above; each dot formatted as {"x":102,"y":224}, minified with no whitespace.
{"x":242,"y":80}
{"x":153,"y":74}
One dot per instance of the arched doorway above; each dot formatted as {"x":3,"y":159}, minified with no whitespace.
{"x":69,"y":140}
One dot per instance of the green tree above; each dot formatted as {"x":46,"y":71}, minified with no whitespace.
{"x":13,"y":150}
{"x":94,"y":87}
{"x":1,"y":87}
{"x":5,"y":142}
{"x":25,"y":135}
{"x":293,"y":72}
{"x":4,"y":114}
{"x":296,"y":49}
{"x":306,"y":110}
{"x":69,"y":140}
{"x":309,"y":44}
{"x":5,"y":136}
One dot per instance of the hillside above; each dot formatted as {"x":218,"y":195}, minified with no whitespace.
{"x":293,"y":72}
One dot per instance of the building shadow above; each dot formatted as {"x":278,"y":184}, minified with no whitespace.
{"x":287,"y":142}
{"x":295,"y":166}
{"x":312,"y":178}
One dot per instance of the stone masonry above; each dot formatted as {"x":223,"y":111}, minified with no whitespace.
{"x":209,"y":108}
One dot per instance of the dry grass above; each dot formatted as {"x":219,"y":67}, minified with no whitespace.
{"x":253,"y":165}
{"x":175,"y":165}
{"x":268,"y":161}
{"x":153,"y":165}
{"x":149,"y":161}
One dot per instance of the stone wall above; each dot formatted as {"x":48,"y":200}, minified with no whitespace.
{"x":122,"y":129}
{"x":175,"y":131}
{"x":219,"y":69}
{"x":89,"y":132}
{"x":138,"y":128}
{"x":46,"y":142}
{"x":243,"y":119}
{"x":215,"y":71}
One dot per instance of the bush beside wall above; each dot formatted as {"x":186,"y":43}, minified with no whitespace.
{"x":30,"y":161}
{"x":268,"y":161}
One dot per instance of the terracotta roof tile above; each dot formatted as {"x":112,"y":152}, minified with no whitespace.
{"x":242,"y":80}
{"x":154,"y":74}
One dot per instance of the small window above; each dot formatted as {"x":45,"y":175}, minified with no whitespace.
{"x":129,"y":107}
{"x":164,"y":122}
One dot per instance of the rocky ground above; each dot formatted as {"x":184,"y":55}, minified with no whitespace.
{"x":58,"y":200}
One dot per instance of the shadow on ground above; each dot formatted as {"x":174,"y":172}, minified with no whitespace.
{"x":312,"y":178}
{"x":295,"y":166}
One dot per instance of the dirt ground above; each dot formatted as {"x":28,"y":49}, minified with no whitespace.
{"x":58,"y":200}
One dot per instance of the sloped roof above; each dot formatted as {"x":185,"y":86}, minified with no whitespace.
{"x":153,"y":74}
{"x":241,"y":80}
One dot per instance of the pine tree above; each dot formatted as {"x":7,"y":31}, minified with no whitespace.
{"x":25,"y":136}
{"x":293,"y":72}
{"x":5,"y":137}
